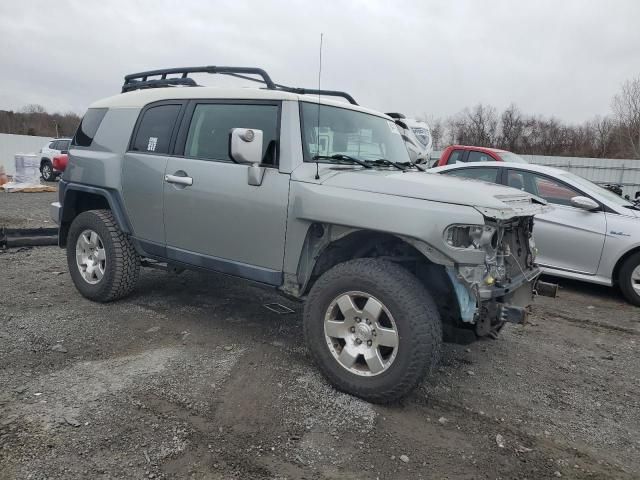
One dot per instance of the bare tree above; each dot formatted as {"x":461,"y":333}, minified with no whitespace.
{"x":626,"y":107}
{"x":512,"y":128}
{"x":603,"y":128}
{"x":437,"y":133}
{"x":482,"y":125}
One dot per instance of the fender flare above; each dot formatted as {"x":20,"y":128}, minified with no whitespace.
{"x":113,"y":198}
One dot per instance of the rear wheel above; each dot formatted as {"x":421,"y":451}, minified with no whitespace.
{"x":102,"y":260}
{"x":46,"y":169}
{"x":372,"y":328}
{"x":629,"y":279}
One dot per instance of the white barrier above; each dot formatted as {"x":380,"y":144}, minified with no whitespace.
{"x":11,"y":144}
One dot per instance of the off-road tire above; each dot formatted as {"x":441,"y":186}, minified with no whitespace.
{"x":415,"y":313}
{"x":46,"y":170}
{"x":625,"y":281}
{"x":122,"y":261}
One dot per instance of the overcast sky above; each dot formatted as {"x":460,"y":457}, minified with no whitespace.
{"x":561,"y":58}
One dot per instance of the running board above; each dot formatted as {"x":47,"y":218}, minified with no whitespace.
{"x":28,"y":237}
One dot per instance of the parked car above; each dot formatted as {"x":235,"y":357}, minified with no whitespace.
{"x":464,"y":153}
{"x":48,"y":152}
{"x":313,"y":196}
{"x":416,"y":135}
{"x":60,"y":162}
{"x":592,"y":234}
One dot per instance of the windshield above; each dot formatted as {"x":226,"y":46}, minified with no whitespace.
{"x":512,"y":157}
{"x":593,"y":188}
{"x":348,"y":132}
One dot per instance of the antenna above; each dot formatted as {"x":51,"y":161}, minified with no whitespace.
{"x":318,"y":131}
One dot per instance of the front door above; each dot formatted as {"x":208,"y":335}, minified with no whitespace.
{"x":212,"y":217}
{"x":567,"y":238}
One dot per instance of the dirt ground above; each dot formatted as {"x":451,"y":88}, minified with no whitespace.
{"x":191,"y":377}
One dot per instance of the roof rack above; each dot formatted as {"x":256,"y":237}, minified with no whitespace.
{"x":138,"y":81}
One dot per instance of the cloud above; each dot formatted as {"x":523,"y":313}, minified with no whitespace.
{"x":565,"y":59}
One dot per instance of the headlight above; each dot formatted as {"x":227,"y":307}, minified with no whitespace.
{"x":471,"y":236}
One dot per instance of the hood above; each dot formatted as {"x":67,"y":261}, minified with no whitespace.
{"x":491,"y":200}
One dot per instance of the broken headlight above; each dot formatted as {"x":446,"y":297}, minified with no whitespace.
{"x":471,"y":236}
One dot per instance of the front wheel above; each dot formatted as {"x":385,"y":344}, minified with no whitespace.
{"x":372,"y":328}
{"x":629,"y":279}
{"x":102,"y":260}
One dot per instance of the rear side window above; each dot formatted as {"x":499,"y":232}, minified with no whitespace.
{"x":63,"y":145}
{"x":155,"y":128}
{"x":88,"y":127}
{"x":475,"y":156}
{"x":208,"y":136}
{"x":485,"y":174}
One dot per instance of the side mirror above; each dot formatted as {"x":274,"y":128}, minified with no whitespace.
{"x":245,"y":146}
{"x":584,"y":203}
{"x":64,"y":152}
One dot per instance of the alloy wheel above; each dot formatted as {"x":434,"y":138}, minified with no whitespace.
{"x":91,"y":256}
{"x":361,"y":333}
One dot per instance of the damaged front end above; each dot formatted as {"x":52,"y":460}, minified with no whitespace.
{"x":500,"y":289}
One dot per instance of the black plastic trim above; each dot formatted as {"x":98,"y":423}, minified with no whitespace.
{"x":137,"y":81}
{"x":221,"y":265}
{"x":113,"y":198}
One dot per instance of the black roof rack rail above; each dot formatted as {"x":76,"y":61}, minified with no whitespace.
{"x":396,"y":115}
{"x":138,"y":81}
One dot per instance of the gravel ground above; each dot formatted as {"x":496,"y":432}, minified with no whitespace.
{"x":192,"y":377}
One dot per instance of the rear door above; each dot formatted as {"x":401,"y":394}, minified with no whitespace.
{"x":217,"y":220}
{"x":568,"y":238}
{"x":143,"y":171}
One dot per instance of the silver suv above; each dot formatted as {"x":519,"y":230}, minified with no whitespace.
{"x":311,"y":195}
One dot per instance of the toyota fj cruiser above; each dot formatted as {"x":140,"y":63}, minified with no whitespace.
{"x":314,"y":196}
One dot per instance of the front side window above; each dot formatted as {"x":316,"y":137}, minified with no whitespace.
{"x":154,"y":131}
{"x":211,"y":124}
{"x":475,"y":156}
{"x":455,"y":157}
{"x":551,"y":190}
{"x":88,"y":127}
{"x":331,"y":131}
{"x":484,"y":174}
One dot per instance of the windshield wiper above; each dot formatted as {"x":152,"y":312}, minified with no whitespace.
{"x":389,"y":163}
{"x":411,"y":164}
{"x":343,"y":158}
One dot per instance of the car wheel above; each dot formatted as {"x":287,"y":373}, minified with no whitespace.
{"x":102,"y":260}
{"x":373,"y":329}
{"x":46,"y":169}
{"x":629,"y":279}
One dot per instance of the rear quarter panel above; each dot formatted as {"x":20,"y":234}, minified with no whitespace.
{"x":101,"y":164}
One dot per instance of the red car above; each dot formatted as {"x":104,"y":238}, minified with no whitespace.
{"x":60,"y":163}
{"x":464,"y":153}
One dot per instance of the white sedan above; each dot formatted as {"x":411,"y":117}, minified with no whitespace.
{"x":591,"y":234}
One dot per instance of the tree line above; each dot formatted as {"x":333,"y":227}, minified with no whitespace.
{"x":35,"y":120}
{"x":616,"y":135}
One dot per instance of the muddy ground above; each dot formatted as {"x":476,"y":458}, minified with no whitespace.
{"x":191,"y":377}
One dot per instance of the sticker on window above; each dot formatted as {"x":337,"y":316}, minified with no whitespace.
{"x":393,"y":127}
{"x":153,"y":142}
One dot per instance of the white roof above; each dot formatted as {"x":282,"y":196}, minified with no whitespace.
{"x":140,"y":98}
